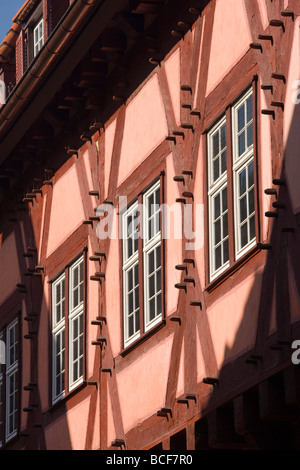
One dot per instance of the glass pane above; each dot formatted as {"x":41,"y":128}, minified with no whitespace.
{"x":225,"y":251}
{"x":129,"y":247}
{"x":152,"y":309}
{"x":242,"y":143}
{"x":243,"y":209}
{"x":130,"y":279}
{"x":136,"y":274}
{"x":216,"y":170}
{"x":137,"y":320}
{"x":159,"y":304}
{"x":218,"y":258}
{"x":241,"y":118}
{"x":75,"y":277}
{"x":250,"y":108}
{"x":252,"y":227}
{"x":158,"y":257}
{"x":225,"y":225}
{"x":224,"y":200}
{"x":151,"y":262}
{"x":151,"y":286}
{"x":251,"y":201}
{"x":224,"y":161}
{"x":136,"y":298}
{"x":130,"y":325}
{"x":250,"y":175}
{"x":216,"y":144}
{"x":250,"y":135}
{"x":223,"y":137}
{"x":151,"y":207}
{"x":158,"y":280}
{"x":242,"y":182}
{"x":130,"y":302}
{"x":75,"y":298}
{"x":217,"y":207}
{"x":217,"y":231}
{"x":244,"y":235}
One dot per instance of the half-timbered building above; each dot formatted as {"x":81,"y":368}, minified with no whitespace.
{"x":149,"y":225}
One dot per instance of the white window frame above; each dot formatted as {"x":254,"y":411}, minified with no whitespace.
{"x":74,"y":314}
{"x":58,"y":328}
{"x":239,"y":163}
{"x":12,"y":369}
{"x":150,"y":245}
{"x":215,"y":188}
{"x":129,"y":262}
{"x":38,"y":39}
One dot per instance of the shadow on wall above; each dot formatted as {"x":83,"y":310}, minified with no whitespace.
{"x":255,"y":401}
{"x":34,"y":315}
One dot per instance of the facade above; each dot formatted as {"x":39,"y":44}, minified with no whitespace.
{"x":149,"y":225}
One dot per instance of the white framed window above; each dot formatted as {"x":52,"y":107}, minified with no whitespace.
{"x":243,"y":174}
{"x":58,"y":338}
{"x":68,"y":329}
{"x":141,"y":226}
{"x":131,"y":301}
{"x":12,"y":386}
{"x":217,"y":199}
{"x":152,"y":256}
{"x":231,"y":186}
{"x":38,"y":37}
{"x":76,"y":278}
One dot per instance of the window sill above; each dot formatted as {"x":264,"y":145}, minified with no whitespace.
{"x":233,"y":268}
{"x":143,"y":338}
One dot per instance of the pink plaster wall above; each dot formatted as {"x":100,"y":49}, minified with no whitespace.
{"x":10,"y":276}
{"x":264,"y":13}
{"x":109,"y":137}
{"x":142,"y":386}
{"x":233,"y":319}
{"x":226,"y":50}
{"x":67,"y":211}
{"x":145,"y":128}
{"x":172,"y":66}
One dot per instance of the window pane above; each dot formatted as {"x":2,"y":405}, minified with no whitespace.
{"x":225,"y":251}
{"x":242,"y":143}
{"x":250,"y":174}
{"x":243,"y":209}
{"x":225,"y":225}
{"x":224,"y":200}
{"x":216,"y":170}
{"x":250,"y":135}
{"x":215,"y":144}
{"x":217,"y":231}
{"x":241,"y":118}
{"x":223,"y":162}
{"x":223,"y":137}
{"x":151,"y":262}
{"x":244,"y":235}
{"x":252,"y":227}
{"x":218,"y":258}
{"x":251,"y":201}
{"x":242,"y":182}
{"x":217,"y":206}
{"x":151,"y":286}
{"x":250,"y":108}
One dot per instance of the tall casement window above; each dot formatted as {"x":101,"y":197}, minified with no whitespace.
{"x":68,"y":330}
{"x":38,"y":37}
{"x":11,"y":380}
{"x":142,"y":264}
{"x":231,"y":186}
